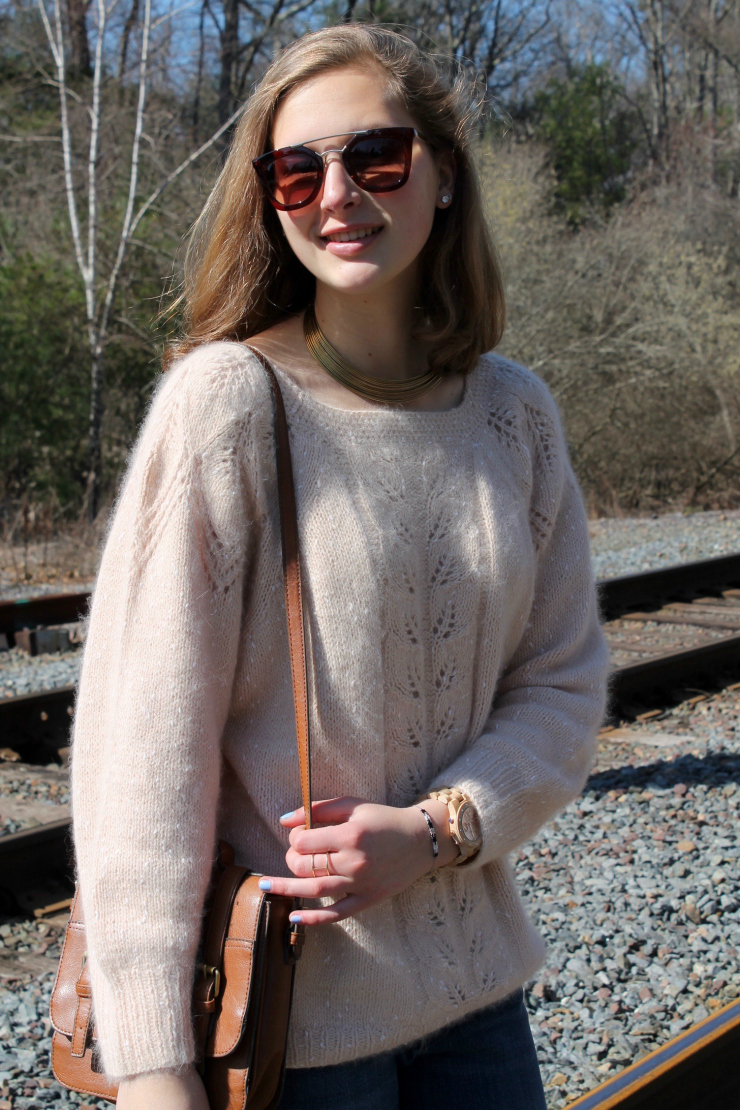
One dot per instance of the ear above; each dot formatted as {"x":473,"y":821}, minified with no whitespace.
{"x":447,"y":169}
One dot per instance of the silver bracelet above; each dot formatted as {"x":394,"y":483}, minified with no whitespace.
{"x":433,"y":834}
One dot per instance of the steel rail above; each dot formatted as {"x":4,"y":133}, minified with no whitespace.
{"x":653,"y":587}
{"x":650,"y":678}
{"x":37,"y":725}
{"x":30,"y":612}
{"x":36,"y":867}
{"x":46,"y":846}
{"x":697,"y":1070}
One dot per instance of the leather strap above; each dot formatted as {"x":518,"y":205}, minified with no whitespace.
{"x":292,"y":580}
{"x":83,"y":1012}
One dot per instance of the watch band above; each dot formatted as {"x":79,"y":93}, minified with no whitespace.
{"x":455,"y":800}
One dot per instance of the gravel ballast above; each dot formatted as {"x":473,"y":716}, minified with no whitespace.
{"x":632,"y":544}
{"x":635,"y":888}
{"x":21,"y":673}
{"x":31,"y":796}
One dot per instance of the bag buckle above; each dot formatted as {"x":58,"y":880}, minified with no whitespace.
{"x":209,"y":971}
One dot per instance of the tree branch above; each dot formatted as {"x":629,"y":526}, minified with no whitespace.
{"x":56,"y":45}
{"x":126,"y":227}
{"x":92,"y":160}
{"x":154,"y":197}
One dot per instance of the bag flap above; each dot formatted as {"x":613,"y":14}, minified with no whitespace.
{"x":236,"y":969}
{"x":236,"y":972}
{"x":64,"y":995}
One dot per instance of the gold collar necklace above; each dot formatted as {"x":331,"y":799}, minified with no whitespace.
{"x":372,"y":389}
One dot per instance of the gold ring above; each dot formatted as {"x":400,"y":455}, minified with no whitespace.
{"x":328,"y":864}
{"x":326,"y":867}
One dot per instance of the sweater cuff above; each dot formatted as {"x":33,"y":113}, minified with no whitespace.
{"x":509,"y":805}
{"x":490,"y":816}
{"x":144,"y":1021}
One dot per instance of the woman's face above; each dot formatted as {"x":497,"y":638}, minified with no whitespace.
{"x":339,"y":103}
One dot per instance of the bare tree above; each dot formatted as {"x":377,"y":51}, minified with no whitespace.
{"x":649,"y":21}
{"x":245,"y":29}
{"x":101,"y":269}
{"x":78,"y":39}
{"x":504,"y":39}
{"x":132,"y":20}
{"x":634,"y":322}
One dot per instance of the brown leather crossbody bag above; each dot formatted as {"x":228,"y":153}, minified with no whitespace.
{"x":244,"y":981}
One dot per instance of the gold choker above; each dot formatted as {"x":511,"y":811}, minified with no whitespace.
{"x":364,"y":385}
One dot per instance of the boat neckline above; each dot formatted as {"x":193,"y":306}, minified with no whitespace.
{"x":305,"y":397}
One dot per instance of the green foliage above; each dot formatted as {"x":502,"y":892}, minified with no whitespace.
{"x":44,"y":385}
{"x":588,"y":132}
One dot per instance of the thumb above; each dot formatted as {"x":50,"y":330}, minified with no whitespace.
{"x":328,"y":811}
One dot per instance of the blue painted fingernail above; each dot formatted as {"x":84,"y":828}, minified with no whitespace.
{"x":295,"y":918}
{"x":265,"y":884}
{"x":287,"y":816}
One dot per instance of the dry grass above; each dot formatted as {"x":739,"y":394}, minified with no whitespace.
{"x":36,"y":549}
{"x":634,"y":322}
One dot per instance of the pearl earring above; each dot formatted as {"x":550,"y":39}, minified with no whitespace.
{"x":446,"y":198}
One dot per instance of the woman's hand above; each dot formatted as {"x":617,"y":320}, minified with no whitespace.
{"x":374,"y":851}
{"x":165,"y":1090}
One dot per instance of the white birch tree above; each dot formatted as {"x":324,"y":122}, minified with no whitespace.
{"x":100,"y":270}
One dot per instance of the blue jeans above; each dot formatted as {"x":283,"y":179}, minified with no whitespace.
{"x":485,"y":1062}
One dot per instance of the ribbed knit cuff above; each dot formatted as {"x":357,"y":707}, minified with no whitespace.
{"x":508,"y":814}
{"x":489,"y":816}
{"x":144,"y":1022}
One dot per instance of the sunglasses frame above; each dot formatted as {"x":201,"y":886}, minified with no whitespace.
{"x":261,"y":164}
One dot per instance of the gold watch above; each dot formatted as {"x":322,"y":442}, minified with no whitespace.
{"x":464,"y":821}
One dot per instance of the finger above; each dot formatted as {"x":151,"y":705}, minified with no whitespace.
{"x":325,"y":886}
{"x":303,"y":863}
{"x":329,"y":915}
{"x":325,"y":811}
{"x":293,"y":819}
{"x":329,"y":838}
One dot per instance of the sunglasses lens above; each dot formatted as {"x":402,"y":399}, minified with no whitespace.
{"x":291,"y":178}
{"x":378,"y":162}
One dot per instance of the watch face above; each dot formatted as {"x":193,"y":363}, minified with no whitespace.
{"x":469,"y":824}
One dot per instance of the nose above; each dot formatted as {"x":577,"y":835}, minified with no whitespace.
{"x":339,"y":191}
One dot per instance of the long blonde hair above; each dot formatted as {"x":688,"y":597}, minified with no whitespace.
{"x":241,"y":276}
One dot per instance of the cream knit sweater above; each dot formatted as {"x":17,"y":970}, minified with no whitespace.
{"x":454,"y":636}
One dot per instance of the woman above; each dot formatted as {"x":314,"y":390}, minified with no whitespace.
{"x":450,"y":611}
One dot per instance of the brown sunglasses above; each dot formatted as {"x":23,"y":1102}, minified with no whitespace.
{"x":378,"y":160}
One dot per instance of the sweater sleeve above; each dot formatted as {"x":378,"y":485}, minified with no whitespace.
{"x":537,"y":745}
{"x":153,"y":700}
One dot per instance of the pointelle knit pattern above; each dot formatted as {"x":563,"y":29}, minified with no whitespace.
{"x":454,"y":639}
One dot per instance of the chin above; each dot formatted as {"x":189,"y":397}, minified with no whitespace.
{"x":355,"y":278}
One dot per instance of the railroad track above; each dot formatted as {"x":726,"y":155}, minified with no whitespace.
{"x":36,"y":868}
{"x":671,"y":628}
{"x":667,"y":629}
{"x":36,"y":726}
